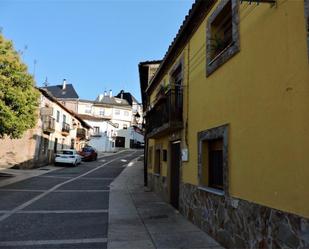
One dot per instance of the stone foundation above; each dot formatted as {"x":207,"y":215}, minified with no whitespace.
{"x":158,"y":184}
{"x":237,"y":223}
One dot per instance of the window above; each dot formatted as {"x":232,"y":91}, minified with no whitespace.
{"x":88,"y":109}
{"x":150,"y":151}
{"x":307,"y":22}
{"x":58,"y":116}
{"x":62,"y":144}
{"x":96,"y":130}
{"x":102,"y":112}
{"x":157,"y":164}
{"x":72,"y":143}
{"x":55,"y":145}
{"x":176,"y":79}
{"x":44,"y":145}
{"x":164,"y":156}
{"x":64,"y":118}
{"x":222,"y":35}
{"x":215,"y":163}
{"x":125,"y":126}
{"x":212,"y":160}
{"x":117,"y":112}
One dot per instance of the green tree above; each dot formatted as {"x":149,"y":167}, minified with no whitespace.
{"x":18,"y":96}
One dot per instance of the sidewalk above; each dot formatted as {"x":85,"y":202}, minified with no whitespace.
{"x":9,"y":176}
{"x":141,"y":220}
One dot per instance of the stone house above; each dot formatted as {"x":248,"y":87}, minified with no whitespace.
{"x":57,"y":128}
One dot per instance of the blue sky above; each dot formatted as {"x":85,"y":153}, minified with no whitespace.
{"x":96,"y":44}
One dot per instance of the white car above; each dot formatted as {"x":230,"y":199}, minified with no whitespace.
{"x":68,"y":157}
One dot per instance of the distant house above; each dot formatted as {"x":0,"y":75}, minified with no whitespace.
{"x":137,"y":110}
{"x":57,"y":128}
{"x":116,"y":121}
{"x":65,"y":94}
{"x":111,"y":119}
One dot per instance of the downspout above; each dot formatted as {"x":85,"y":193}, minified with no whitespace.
{"x":145,"y":160}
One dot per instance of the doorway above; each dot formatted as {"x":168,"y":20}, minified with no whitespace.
{"x":174,"y":173}
{"x":120,"y":142}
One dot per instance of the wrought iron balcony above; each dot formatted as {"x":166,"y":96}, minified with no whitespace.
{"x":166,"y":114}
{"x":48,"y":124}
{"x":81,"y":133}
{"x":65,"y":129}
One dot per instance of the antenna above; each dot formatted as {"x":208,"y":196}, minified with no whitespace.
{"x":34,"y":65}
{"x":46,"y":82}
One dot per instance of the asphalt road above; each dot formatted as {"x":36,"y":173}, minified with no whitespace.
{"x":66,"y":208}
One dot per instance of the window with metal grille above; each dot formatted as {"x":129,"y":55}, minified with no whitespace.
{"x":164,"y":156}
{"x":215,"y":164}
{"x":213,"y":160}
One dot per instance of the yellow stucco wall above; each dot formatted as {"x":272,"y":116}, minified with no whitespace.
{"x":263,"y":94}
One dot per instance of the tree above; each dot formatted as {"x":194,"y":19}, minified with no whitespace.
{"x":18,"y":96}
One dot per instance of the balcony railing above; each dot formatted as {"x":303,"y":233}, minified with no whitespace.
{"x":81,"y":133}
{"x":96,"y":134}
{"x":48,"y":124}
{"x":166,"y":115}
{"x":65,"y":128}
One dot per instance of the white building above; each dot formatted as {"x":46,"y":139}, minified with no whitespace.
{"x":116,"y":121}
{"x":112,"y":120}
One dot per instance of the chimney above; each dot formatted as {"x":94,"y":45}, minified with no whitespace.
{"x":121,"y":94}
{"x":110,"y":93}
{"x":105,"y":93}
{"x":64,"y":84}
{"x":100,"y":97}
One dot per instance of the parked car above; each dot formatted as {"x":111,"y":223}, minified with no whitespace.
{"x":89,"y":153}
{"x":68,"y":157}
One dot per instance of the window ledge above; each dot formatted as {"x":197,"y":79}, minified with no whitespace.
{"x":212,"y":190}
{"x":221,"y":53}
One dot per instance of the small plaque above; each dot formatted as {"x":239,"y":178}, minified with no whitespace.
{"x":184,"y":155}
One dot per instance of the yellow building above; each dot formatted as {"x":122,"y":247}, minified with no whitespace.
{"x":227,"y":122}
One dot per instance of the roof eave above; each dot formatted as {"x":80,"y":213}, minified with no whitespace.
{"x":195,"y":16}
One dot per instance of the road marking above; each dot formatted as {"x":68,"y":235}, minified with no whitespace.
{"x":54,"y":176}
{"x":38,"y":197}
{"x":81,"y":191}
{"x":21,"y":190}
{"x":53,"y":242}
{"x":58,"y":211}
{"x":98,"y":178}
{"x":60,"y":190}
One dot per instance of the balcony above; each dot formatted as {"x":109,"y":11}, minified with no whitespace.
{"x":65,"y":129}
{"x":81,"y":133}
{"x":47,"y":111}
{"x":166,"y":115}
{"x":48,"y":124}
{"x":96,"y":134}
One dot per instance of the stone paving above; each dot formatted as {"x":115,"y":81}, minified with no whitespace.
{"x":139,"y":219}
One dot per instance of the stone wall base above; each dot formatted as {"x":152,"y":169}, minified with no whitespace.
{"x":158,"y":184}
{"x":237,"y":223}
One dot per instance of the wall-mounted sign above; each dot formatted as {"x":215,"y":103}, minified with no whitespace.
{"x":184,"y":155}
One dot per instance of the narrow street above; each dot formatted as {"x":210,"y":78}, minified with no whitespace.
{"x":66,"y":208}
